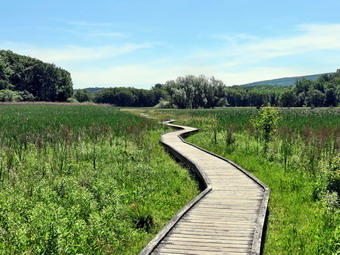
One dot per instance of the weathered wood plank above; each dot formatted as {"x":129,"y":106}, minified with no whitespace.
{"x":219,"y":242}
{"x":213,"y":235}
{"x":169,"y":251}
{"x":192,"y":236}
{"x":189,"y":249}
{"x":225,"y":220}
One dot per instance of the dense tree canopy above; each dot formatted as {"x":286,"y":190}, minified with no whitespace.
{"x":201,"y":92}
{"x":193,"y":92}
{"x":128,"y":96}
{"x":43,"y":81}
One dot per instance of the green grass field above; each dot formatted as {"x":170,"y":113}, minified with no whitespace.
{"x":95,"y":180}
{"x":300,"y":164}
{"x":84,"y":180}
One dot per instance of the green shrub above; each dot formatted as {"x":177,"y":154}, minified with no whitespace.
{"x":334,"y":175}
{"x":266,"y":123}
{"x":141,"y":217}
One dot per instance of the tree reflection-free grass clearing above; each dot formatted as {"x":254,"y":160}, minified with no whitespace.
{"x":84,"y":179}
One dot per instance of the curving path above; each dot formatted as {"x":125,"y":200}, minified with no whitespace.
{"x":226,"y":218}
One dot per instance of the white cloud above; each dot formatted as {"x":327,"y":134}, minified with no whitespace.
{"x":129,"y":75}
{"x":89,"y":24}
{"x":243,"y":58}
{"x":95,"y":33}
{"x":74,"y":53}
{"x":110,"y":34}
{"x":312,"y":38}
{"x":147,"y":75}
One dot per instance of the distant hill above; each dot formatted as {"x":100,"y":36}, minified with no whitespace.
{"x":288,"y":81}
{"x":94,"y":89}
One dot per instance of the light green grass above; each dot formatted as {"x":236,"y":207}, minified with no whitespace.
{"x":84,"y":179}
{"x":303,"y":215}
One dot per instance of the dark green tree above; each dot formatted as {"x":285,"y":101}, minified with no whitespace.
{"x":44,"y":81}
{"x":82,"y":95}
{"x":331,"y":98}
{"x":288,"y":99}
{"x":315,"y":98}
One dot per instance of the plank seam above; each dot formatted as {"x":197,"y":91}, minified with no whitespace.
{"x":257,"y":237}
{"x":170,"y":225}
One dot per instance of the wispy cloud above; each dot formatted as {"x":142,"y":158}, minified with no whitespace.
{"x":234,"y":39}
{"x":311,"y":38}
{"x":148,"y":75}
{"x":241,"y":60}
{"x":89,"y":24}
{"x":95,"y":33}
{"x":110,"y":34}
{"x":238,"y":59}
{"x":74,"y":53}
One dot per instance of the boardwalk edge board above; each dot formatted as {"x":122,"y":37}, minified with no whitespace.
{"x":257,"y":238}
{"x":207,"y":188}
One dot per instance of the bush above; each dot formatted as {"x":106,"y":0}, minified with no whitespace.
{"x":265,"y":123}
{"x":141,"y":217}
{"x":72,"y":100}
{"x":334,"y":175}
{"x":164,"y":104}
{"x":7,"y":95}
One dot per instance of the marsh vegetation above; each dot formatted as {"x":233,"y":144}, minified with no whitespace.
{"x":296,"y":152}
{"x":84,"y":179}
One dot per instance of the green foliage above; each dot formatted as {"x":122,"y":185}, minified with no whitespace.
{"x":200,"y":92}
{"x":288,"y":99}
{"x":127,"y":97}
{"x":334,"y":175}
{"x":82,"y":95}
{"x":164,"y":104}
{"x":141,"y":217}
{"x":315,"y":98}
{"x":266,"y":123}
{"x":194,"y":92}
{"x":45,"y":82}
{"x":300,"y":167}
{"x":7,"y":95}
{"x":69,"y":176}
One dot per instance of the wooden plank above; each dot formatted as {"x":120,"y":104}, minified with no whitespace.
{"x":205,"y":238}
{"x":210,"y":234}
{"x":166,"y":251}
{"x":215,"y":244}
{"x":194,"y":241}
{"x":189,"y":249}
{"x":225,"y":221}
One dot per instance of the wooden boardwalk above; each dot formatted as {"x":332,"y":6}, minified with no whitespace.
{"x":226,"y":218}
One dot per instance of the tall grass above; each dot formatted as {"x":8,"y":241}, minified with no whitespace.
{"x":301,"y":166}
{"x":84,"y":179}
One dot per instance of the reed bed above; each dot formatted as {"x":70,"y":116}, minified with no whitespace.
{"x":300,"y":164}
{"x":84,"y":180}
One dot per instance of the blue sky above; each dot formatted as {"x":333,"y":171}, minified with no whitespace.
{"x":141,"y":43}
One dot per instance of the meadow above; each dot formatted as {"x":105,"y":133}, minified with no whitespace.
{"x":84,"y":180}
{"x":300,"y":163}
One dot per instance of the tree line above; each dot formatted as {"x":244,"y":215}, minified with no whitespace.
{"x":193,"y":92}
{"x":24,"y":78}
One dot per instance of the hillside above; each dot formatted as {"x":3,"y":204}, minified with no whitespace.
{"x":94,"y":89}
{"x":288,"y":81}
